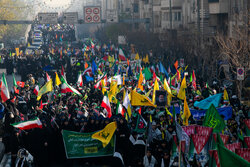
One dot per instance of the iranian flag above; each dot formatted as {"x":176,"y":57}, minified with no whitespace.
{"x":36,"y":90}
{"x":15,"y":85}
{"x":88,"y":71}
{"x":122,"y":55}
{"x":30,"y":124}
{"x":79,"y":80}
{"x":65,"y":88}
{"x":106,"y":104}
{"x":5,"y":95}
{"x":120,"y":109}
{"x":47,"y":77}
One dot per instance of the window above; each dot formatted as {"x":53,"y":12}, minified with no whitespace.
{"x":165,"y":16}
{"x":136,"y":8}
{"x":177,"y":16}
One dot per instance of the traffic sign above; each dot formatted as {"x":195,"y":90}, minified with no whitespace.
{"x":112,"y":16}
{"x":92,"y":14}
{"x":70,"y":18}
{"x":48,"y":18}
{"x":240,"y":73}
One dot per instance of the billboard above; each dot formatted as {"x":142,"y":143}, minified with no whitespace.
{"x":92,"y":14}
{"x":48,"y":18}
{"x":70,"y":18}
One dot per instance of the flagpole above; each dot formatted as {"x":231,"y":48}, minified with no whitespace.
{"x":180,"y":154}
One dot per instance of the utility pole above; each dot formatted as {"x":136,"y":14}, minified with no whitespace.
{"x":170,"y":15}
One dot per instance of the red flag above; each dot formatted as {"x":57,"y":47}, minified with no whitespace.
{"x":20,"y":84}
{"x":232,"y":147}
{"x":189,"y":130}
{"x":247,"y":122}
{"x":176,"y":64}
{"x":214,"y":154}
{"x":224,"y":138}
{"x":247,"y":141}
{"x":244,"y":153}
{"x":199,"y":142}
{"x":41,"y":105}
{"x":62,"y":71}
{"x":139,"y":111}
{"x":201,"y":130}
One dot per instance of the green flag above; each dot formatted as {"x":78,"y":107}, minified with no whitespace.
{"x":213,"y":119}
{"x":228,"y":158}
{"x":147,"y":73}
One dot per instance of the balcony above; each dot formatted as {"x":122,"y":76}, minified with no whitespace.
{"x":218,"y":6}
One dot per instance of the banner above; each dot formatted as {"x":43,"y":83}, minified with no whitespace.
{"x":197,"y":114}
{"x":205,"y":104}
{"x":201,"y":130}
{"x":244,"y":153}
{"x":189,"y":129}
{"x":224,"y":138}
{"x":81,"y":145}
{"x":232,"y":147}
{"x":199,"y":142}
{"x":247,"y":141}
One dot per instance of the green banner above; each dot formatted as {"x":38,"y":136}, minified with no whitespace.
{"x":81,"y":145}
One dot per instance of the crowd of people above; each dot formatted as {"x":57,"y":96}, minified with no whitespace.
{"x":68,"y":111}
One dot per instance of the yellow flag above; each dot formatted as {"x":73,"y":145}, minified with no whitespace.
{"x":150,"y":118}
{"x":186,"y":113}
{"x":129,"y":111}
{"x":48,"y":87}
{"x":146,"y":59}
{"x":225,"y":96}
{"x":28,"y":44}
{"x":169,"y":99}
{"x":166,"y":87}
{"x":168,"y":113}
{"x":140,"y":100}
{"x":148,"y":93}
{"x":140,"y":81}
{"x":17,"y":52}
{"x":57,"y":80}
{"x":156,"y":87}
{"x":113,"y":91}
{"x":137,"y":57}
{"x":106,"y":134}
{"x":182,"y":93}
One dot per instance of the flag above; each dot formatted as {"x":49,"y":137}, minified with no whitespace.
{"x":88,"y":70}
{"x":126,"y":104}
{"x":65,"y":87}
{"x":48,"y":87}
{"x":41,"y":105}
{"x":163,"y":70}
{"x":15,"y":85}
{"x":147,"y":73}
{"x":186,"y":113}
{"x":62,"y":71}
{"x":105,"y":134}
{"x":120,"y":109}
{"x":30,"y":124}
{"x":20,"y":84}
{"x":176,"y":64}
{"x":106,"y":104}
{"x":5,"y":95}
{"x":213,"y":119}
{"x":194,"y":80}
{"x":57,"y":80}
{"x":36,"y":90}
{"x":94,"y":67}
{"x":156,"y":87}
{"x":141,"y":124}
{"x":140,"y":81}
{"x":137,"y":57}
{"x":122,"y":55}
{"x":205,"y":104}
{"x":228,"y":158}
{"x":79,"y":80}
{"x":140,"y":100}
{"x":225,"y":95}
{"x":166,"y":87}
{"x":182,"y":93}
{"x":47,"y":77}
